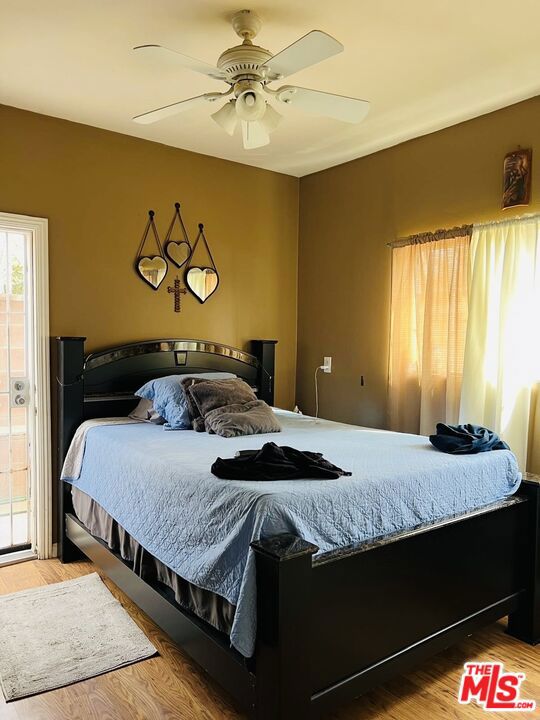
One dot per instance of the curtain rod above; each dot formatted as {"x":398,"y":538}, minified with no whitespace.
{"x":460,"y":231}
{"x":505,"y":221}
{"x":442,"y":234}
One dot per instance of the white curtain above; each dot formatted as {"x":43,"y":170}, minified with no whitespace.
{"x":427,"y":333}
{"x":502,"y":350}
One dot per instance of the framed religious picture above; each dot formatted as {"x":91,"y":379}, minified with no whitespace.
{"x":517,"y":178}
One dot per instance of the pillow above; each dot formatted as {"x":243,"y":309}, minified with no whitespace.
{"x":197,"y":418}
{"x":144,"y":412}
{"x":197,"y":421}
{"x":169,"y":399}
{"x":251,"y":418}
{"x":211,"y":395}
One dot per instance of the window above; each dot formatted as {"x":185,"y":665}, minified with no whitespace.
{"x":429,"y":311}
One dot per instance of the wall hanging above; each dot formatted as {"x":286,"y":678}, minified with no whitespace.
{"x":178,"y":291}
{"x":152,"y":268}
{"x":517,"y":178}
{"x":178,"y":251}
{"x":202,"y":280}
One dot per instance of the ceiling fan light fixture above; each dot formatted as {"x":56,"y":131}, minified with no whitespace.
{"x":271,"y":119}
{"x":250,"y":105}
{"x":226,"y":117}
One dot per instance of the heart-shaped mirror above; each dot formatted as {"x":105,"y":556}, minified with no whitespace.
{"x":178,"y":252}
{"x":202,"y":281}
{"x":152,"y":270}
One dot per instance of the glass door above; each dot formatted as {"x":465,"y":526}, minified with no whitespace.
{"x":16,"y":402}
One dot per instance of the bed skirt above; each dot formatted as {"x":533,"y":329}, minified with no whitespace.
{"x":208,"y":606}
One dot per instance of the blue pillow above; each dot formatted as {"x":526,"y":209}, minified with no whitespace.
{"x":169,"y":400}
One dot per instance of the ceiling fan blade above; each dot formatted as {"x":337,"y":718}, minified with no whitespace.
{"x":315,"y":102}
{"x":309,"y":50}
{"x":254,"y":135}
{"x":172,"y":109}
{"x":182,"y":60}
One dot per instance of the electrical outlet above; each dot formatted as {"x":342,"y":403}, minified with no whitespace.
{"x":327,"y":365}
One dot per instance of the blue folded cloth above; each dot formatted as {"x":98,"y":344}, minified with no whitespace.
{"x":466,"y":439}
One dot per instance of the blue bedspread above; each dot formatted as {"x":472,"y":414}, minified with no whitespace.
{"x":158,"y":486}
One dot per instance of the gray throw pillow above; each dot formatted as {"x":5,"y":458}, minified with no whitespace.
{"x":197,"y":421}
{"x":211,"y":394}
{"x":251,"y":418}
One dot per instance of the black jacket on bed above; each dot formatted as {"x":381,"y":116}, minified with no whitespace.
{"x":466,"y":439}
{"x":273,"y":462}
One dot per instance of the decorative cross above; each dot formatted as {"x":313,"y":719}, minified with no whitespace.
{"x":177,"y":290}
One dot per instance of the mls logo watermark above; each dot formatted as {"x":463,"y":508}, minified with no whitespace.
{"x":488,"y":685}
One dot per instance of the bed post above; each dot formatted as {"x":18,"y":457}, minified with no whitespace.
{"x":524,"y":623}
{"x":284,"y":630}
{"x":70,"y":399}
{"x":265,"y":352}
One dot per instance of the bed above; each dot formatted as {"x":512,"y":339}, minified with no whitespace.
{"x":286,"y":594}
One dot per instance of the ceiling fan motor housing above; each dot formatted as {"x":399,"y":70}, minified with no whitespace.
{"x":244,"y":61}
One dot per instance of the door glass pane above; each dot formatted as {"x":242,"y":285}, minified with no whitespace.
{"x":4,"y":344}
{"x":14,"y":455}
{"x":5,"y":510}
{"x":4,"y":455}
{"x":16,"y":309}
{"x":19,"y":460}
{"x":19,"y":500}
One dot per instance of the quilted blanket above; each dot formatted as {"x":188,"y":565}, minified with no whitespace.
{"x":159,"y":487}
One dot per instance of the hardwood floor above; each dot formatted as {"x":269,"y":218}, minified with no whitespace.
{"x":171,"y":687}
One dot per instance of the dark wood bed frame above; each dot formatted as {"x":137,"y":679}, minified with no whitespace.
{"x":329,"y":626}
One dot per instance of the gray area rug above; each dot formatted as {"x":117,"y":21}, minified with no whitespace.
{"x":59,"y":634}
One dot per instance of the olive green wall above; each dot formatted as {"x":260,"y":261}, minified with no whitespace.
{"x":96,"y":187}
{"x":349,"y":213}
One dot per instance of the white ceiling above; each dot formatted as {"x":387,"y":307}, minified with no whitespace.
{"x":423,"y":64}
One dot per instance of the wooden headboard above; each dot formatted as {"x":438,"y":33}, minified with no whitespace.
{"x":102,"y":384}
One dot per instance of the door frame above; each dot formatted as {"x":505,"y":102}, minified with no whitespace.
{"x":40,"y":455}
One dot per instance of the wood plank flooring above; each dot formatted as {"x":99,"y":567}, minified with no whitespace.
{"x":171,"y":687}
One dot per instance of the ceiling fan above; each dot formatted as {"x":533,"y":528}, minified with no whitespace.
{"x":248,"y":70}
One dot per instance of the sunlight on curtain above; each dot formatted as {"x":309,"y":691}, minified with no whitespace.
{"x":502,"y":359}
{"x":427,"y":336}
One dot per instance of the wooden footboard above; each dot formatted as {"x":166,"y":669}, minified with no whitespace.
{"x":331,"y":628}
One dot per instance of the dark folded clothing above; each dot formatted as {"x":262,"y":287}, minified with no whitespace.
{"x":273,"y":462}
{"x":466,"y":439}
